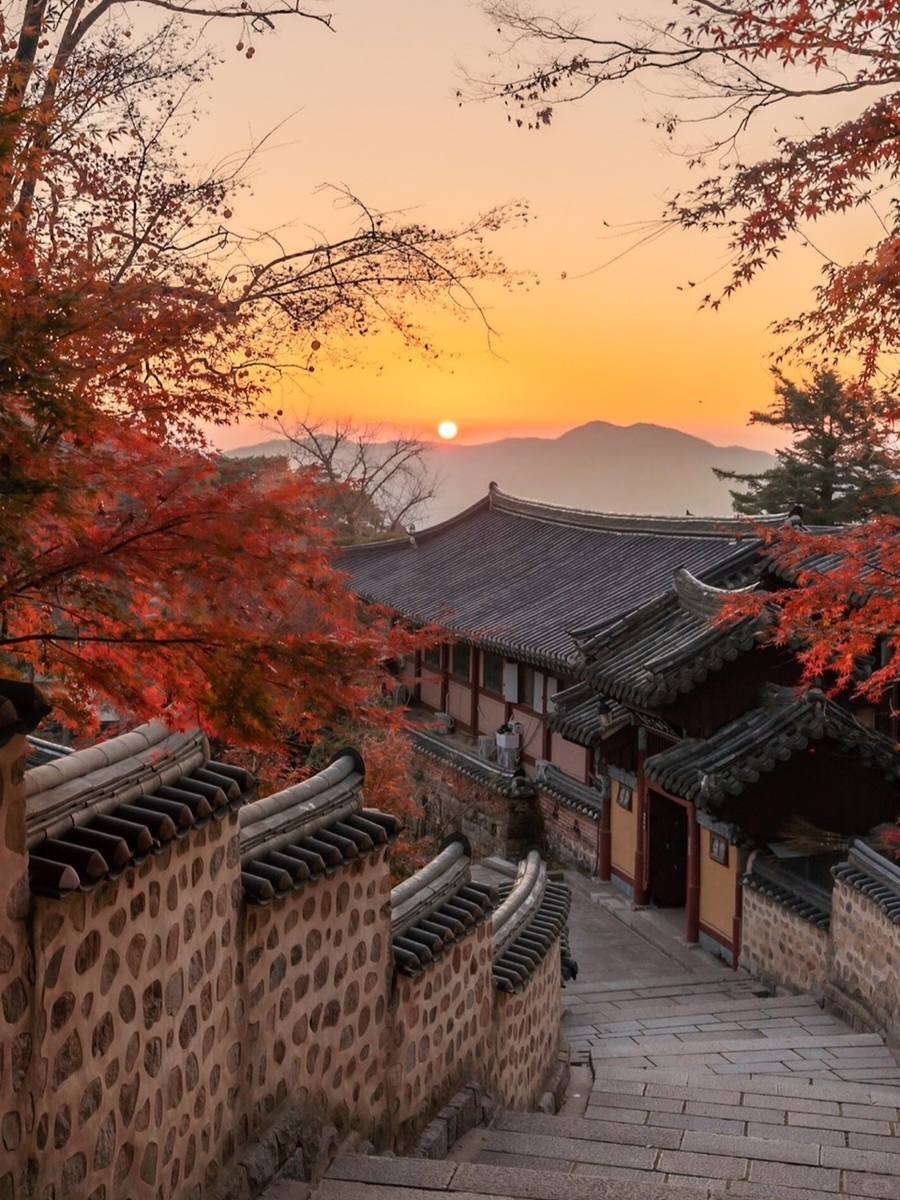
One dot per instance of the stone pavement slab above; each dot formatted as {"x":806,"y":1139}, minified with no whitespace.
{"x":703,"y":1086}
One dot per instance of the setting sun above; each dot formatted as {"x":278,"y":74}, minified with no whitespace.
{"x":447,"y":430}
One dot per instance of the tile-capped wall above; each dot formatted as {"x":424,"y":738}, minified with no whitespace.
{"x":442,"y":1033}
{"x":157,"y":1024}
{"x":781,"y":949}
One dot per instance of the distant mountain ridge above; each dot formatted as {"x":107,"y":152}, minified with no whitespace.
{"x":641,"y":468}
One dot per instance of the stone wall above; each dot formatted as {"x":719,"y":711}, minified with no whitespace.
{"x":18,"y":1067}
{"x":865,"y":968}
{"x":780,"y":948}
{"x":315,"y":996}
{"x":156,"y":1025}
{"x":850,"y":964}
{"x":526,"y":1037}
{"x":137,"y":1025}
{"x":442,"y":1026}
{"x":570,"y":837}
{"x":504,"y":825}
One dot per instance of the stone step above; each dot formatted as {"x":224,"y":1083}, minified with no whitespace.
{"x":765,"y":1142}
{"x":673,"y":1006}
{"x":695,"y":1157}
{"x":840,"y":1092}
{"x":724,"y":1111}
{"x":672,"y":987}
{"x":354,"y":1177}
{"x":848,"y":1045}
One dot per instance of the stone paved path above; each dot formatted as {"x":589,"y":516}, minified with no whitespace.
{"x":689,"y":1082}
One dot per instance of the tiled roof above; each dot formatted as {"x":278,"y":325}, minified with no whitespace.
{"x":436,"y":908}
{"x":576,"y":715}
{"x":668,"y":646}
{"x":515,"y":576}
{"x":92,"y":813}
{"x":529,"y":920}
{"x":735,"y":756}
{"x":555,"y":783}
{"x":309,"y":830}
{"x":808,"y":901}
{"x":874,"y":876}
{"x":479,"y":770}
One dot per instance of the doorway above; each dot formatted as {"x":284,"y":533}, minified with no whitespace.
{"x":667,"y":852}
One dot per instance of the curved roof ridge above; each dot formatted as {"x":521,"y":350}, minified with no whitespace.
{"x":702,"y":599}
{"x":721,"y":527}
{"x":414,"y":536}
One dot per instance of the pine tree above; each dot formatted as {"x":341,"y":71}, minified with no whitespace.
{"x":842,"y":464}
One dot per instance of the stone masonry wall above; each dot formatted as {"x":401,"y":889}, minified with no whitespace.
{"x":782,"y":949}
{"x":316,"y":990}
{"x":866,"y":957}
{"x":157,"y":1024}
{"x":441,"y":1033}
{"x":18,"y":1162}
{"x":526,"y":1036}
{"x":137,"y":1026}
{"x":508,"y":826}
{"x":569,"y":836}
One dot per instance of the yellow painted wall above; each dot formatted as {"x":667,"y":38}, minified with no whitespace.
{"x":624,"y":833}
{"x":717,"y":888}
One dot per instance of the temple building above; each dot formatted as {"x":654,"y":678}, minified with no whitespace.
{"x":588,"y":696}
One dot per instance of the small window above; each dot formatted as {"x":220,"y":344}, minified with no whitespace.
{"x":462,"y":663}
{"x":433,"y":658}
{"x":526,"y":685}
{"x":493,"y":673}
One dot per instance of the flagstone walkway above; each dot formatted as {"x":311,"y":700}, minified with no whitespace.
{"x":688,"y":1082}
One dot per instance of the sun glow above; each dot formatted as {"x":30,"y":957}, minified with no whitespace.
{"x":447,"y":430}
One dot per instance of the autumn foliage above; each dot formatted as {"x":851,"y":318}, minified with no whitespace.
{"x":134,"y":571}
{"x":828,"y":71}
{"x":716,"y":69}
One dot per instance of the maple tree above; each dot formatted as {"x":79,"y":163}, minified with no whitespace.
{"x":733,"y":65}
{"x":132,"y":569}
{"x":842,"y":464}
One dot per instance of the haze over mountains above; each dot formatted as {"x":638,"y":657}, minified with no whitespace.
{"x":609,"y":468}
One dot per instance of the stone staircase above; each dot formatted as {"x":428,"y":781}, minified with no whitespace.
{"x":698,"y":1087}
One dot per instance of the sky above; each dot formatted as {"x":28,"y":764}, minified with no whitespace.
{"x":373,"y":106}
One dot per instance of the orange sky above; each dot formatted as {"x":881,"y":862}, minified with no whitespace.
{"x":373,"y":107}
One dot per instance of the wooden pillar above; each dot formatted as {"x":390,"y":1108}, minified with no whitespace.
{"x":417,"y":676}
{"x":692,"y":902}
{"x":737,"y":921}
{"x":445,"y":682}
{"x":474,"y":676}
{"x":546,"y":736}
{"x":604,"y":833}
{"x":640,"y":820}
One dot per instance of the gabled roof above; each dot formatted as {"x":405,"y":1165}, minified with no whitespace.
{"x":576,"y":715}
{"x":665,"y":647}
{"x":515,"y":576}
{"x":708,"y":770}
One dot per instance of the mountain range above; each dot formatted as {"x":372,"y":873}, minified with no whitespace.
{"x":638,"y":468}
